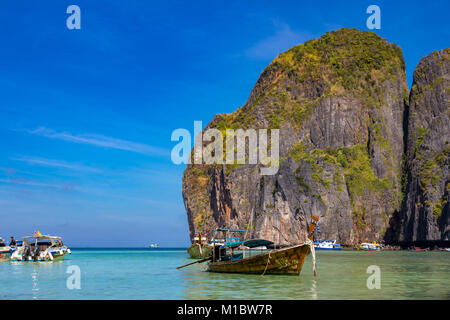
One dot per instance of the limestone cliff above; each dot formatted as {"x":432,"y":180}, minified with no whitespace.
{"x":425,"y":215}
{"x":339,"y":102}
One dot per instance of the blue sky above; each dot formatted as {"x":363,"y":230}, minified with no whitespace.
{"x":86,"y":115}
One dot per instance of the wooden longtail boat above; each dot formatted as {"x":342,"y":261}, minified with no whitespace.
{"x":276,"y":261}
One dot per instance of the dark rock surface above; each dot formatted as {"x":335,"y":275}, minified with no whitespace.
{"x":340,"y":103}
{"x":425,"y":215}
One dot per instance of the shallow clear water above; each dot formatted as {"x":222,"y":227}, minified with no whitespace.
{"x":151,"y":274}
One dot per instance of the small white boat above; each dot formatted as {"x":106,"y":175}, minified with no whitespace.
{"x":41,"y":248}
{"x":154,"y":245}
{"x":367,"y":246}
{"x":5,"y":251}
{"x":327,"y":245}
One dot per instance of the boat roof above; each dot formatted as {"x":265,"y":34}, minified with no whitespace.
{"x":248,"y":243}
{"x":225,"y":229}
{"x":43,"y":237}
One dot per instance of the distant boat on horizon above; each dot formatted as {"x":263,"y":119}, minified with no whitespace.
{"x":154,"y":246}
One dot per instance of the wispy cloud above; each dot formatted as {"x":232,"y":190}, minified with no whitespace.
{"x":33,"y":183}
{"x":283,"y":39}
{"x":56,"y":164}
{"x":100,"y":141}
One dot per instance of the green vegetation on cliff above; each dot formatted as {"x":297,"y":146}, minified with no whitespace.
{"x":346,"y":62}
{"x":430,"y":168}
{"x":354,"y":160}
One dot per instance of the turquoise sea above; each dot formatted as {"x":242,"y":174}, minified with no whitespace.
{"x":151,"y":274}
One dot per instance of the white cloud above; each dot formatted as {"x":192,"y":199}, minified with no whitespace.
{"x":31,"y":183}
{"x":56,"y":164}
{"x":100,"y":141}
{"x":283,"y":39}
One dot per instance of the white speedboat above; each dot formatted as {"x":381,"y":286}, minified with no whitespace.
{"x":5,"y":251}
{"x":367,"y":246}
{"x":41,"y":248}
{"x":327,"y":245}
{"x":154,"y":246}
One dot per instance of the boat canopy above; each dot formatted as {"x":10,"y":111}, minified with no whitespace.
{"x":43,"y":237}
{"x":233,"y":230}
{"x":248,"y":243}
{"x":40,"y":238}
{"x":371,"y":244}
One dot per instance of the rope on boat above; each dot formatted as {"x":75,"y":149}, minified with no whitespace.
{"x":267,"y":264}
{"x":313,"y":254}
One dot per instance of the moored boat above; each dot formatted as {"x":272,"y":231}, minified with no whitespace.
{"x":277,"y":261}
{"x":367,"y":246}
{"x":41,"y":248}
{"x":420,"y":249}
{"x":327,"y":245}
{"x":288,"y":261}
{"x":5,"y":251}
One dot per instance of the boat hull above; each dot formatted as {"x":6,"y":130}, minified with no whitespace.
{"x":281,"y":261}
{"x":329,"y":249}
{"x":5,"y":256}
{"x":56,"y":255}
{"x":194,"y":251}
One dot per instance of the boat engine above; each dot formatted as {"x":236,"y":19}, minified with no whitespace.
{"x":26,"y":253}
{"x":36,"y":253}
